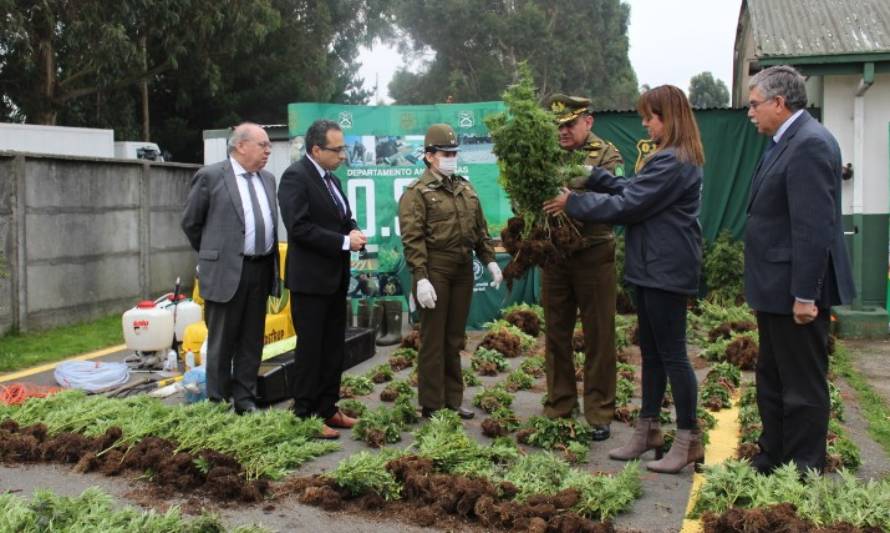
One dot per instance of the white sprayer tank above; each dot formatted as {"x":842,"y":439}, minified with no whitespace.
{"x":148,"y":328}
{"x":187,"y":312}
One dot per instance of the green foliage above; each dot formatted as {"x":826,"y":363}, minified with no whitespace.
{"x":826,"y":501}
{"x":525,"y":142}
{"x":872,"y":406}
{"x":356,"y":385}
{"x":603,"y":497}
{"x":519,"y":380}
{"x":710,"y":315}
{"x":384,"y":425}
{"x":490,"y":399}
{"x":624,"y":391}
{"x":365,"y":472}
{"x":835,"y":401}
{"x":486,"y":355}
{"x":716,"y":351}
{"x":623,"y":326}
{"x":401,"y":388}
{"x":727,"y":372}
{"x":537,"y":473}
{"x":550,"y":433}
{"x":408,"y":353}
{"x":716,"y":395}
{"x":533,"y":366}
{"x":352,"y":406}
{"x":470,"y":378}
{"x":94,"y":510}
{"x":706,"y":91}
{"x":506,"y":418}
{"x":24,"y":350}
{"x":723,"y":263}
{"x":380,"y":373}
{"x":269,"y":443}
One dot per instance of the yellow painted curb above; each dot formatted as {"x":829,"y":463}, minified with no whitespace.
{"x":50,"y":366}
{"x":723,"y":439}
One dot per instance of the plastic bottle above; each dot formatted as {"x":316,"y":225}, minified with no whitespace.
{"x":189,"y":360}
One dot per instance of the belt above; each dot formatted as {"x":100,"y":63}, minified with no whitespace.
{"x":254,"y":258}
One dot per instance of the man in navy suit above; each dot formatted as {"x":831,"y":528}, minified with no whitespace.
{"x":796,"y":268}
{"x":321,"y":232}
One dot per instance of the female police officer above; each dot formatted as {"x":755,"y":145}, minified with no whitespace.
{"x":442,"y":224}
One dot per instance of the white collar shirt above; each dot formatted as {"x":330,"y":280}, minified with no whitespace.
{"x":249,"y":222}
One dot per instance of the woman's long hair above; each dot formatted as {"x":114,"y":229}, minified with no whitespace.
{"x":680,"y":129}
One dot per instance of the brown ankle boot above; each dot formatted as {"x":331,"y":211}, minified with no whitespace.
{"x":647,"y":436}
{"x":687,"y":448}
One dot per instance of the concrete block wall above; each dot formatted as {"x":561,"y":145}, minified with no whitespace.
{"x":85,"y":237}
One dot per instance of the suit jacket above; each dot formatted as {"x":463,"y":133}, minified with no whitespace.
{"x":659,"y":208}
{"x":794,"y":241}
{"x":213,"y":222}
{"x":316,"y":261}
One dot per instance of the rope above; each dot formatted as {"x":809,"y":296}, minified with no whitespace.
{"x":17,"y":393}
{"x":92,"y":376}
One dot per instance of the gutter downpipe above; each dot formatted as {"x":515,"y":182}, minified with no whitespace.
{"x":858,"y":207}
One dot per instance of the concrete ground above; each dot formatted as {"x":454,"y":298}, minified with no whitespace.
{"x":661,"y":508}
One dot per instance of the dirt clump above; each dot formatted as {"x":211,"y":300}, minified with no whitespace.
{"x":399,"y":363}
{"x":493,"y":429}
{"x":504,"y":342}
{"x":525,"y":320}
{"x":411,"y":340}
{"x":742,"y":352}
{"x":781,"y":517}
{"x":388,"y":395}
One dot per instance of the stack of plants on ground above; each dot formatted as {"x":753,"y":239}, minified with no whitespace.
{"x":95,"y":510}
{"x":445,"y":472}
{"x":185,"y":447}
{"x":734,"y":497}
{"x":724,"y":333}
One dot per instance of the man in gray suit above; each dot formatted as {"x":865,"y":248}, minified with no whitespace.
{"x":230,"y":219}
{"x":796,"y":268}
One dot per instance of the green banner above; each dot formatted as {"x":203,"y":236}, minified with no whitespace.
{"x":385,"y":154}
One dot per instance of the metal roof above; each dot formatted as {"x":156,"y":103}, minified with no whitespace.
{"x":796,"y":28}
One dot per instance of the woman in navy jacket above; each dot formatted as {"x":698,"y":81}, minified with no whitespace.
{"x":659,"y":208}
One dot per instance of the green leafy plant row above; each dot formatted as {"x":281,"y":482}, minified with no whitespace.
{"x":269,"y":443}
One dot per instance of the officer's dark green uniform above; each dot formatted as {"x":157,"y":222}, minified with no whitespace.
{"x":442,"y":224}
{"x":586,"y":281}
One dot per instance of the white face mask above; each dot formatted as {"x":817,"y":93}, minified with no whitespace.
{"x":447,"y":165}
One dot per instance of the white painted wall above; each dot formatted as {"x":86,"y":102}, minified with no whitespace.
{"x":57,"y":140}
{"x":837,"y":115}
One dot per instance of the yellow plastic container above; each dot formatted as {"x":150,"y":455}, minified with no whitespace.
{"x":278,"y":327}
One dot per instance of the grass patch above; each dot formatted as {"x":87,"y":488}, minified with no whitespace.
{"x":24,"y":350}
{"x":872,"y":406}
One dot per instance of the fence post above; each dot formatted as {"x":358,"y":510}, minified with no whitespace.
{"x":18,"y":267}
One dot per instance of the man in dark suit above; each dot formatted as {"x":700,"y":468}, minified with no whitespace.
{"x":796,"y":268}
{"x":321,"y":233}
{"x":230,"y":219}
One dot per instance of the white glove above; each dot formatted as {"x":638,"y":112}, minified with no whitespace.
{"x":426,"y":294}
{"x":496,"y":276}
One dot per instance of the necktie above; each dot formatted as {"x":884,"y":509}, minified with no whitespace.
{"x":259,"y":226}
{"x":329,"y":182}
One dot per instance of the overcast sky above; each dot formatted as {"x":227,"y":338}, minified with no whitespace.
{"x":670,"y":41}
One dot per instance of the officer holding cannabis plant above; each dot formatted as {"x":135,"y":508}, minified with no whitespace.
{"x":585,"y":282}
{"x":442,"y":225}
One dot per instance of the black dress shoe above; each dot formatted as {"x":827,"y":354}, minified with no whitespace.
{"x":246,"y":408}
{"x":466,"y":414}
{"x":427,"y":412}
{"x":601,"y":432}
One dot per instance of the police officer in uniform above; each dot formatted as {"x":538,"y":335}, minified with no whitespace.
{"x":584,"y":282}
{"x":442,"y":224}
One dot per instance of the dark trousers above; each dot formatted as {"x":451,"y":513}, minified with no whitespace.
{"x":792,"y":391}
{"x":440,"y":381}
{"x":320,"y":324}
{"x":585,"y":284}
{"x":235,"y":335}
{"x":662,"y":320}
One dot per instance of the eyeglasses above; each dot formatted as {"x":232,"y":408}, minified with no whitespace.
{"x":336,"y":149}
{"x":754,"y":103}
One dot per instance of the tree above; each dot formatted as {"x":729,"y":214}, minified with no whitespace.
{"x":176,"y":67}
{"x":706,"y":91}
{"x":572,"y":46}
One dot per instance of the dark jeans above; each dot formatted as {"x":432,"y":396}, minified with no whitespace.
{"x":662,"y":320}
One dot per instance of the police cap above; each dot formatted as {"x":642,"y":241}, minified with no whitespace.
{"x":567,"y":108}
{"x":441,"y":137}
